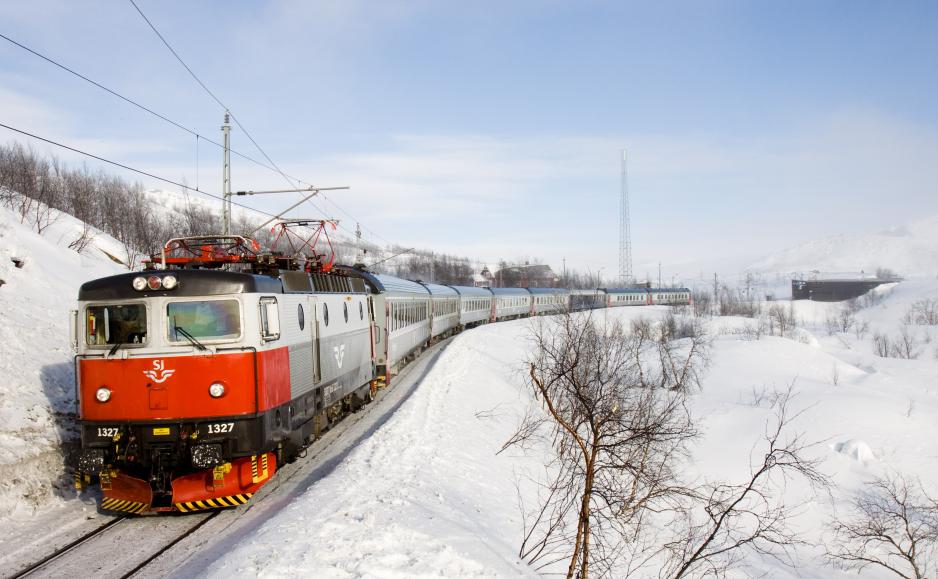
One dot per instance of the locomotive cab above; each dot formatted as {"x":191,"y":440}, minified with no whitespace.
{"x":167,"y":375}
{"x":195,"y":381}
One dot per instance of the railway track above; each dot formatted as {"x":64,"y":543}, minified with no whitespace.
{"x":149,"y":546}
{"x":119,"y":548}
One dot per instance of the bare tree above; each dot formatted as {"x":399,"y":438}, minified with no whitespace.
{"x":882,"y":345}
{"x":84,"y":239}
{"x":846,"y":320}
{"x":702,"y":303}
{"x":906,"y":344}
{"x":892,"y":525}
{"x":613,"y":405}
{"x":860,"y":329}
{"x":781,"y":319}
{"x":750,"y":515}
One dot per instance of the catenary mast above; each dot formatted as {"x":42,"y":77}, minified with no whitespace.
{"x":226,"y":177}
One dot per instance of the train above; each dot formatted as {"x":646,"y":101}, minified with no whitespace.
{"x":201,"y":375}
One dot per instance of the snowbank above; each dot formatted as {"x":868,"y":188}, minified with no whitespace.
{"x":37,"y":401}
{"x":427,"y":495}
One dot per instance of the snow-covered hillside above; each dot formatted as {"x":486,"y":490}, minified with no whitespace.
{"x":428,"y":495}
{"x":910,"y":250}
{"x":36,"y":376}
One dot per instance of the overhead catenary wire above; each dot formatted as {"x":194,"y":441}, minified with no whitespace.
{"x":140,"y":106}
{"x":184,"y":187}
{"x":197,"y":135}
{"x":128,"y":167}
{"x":227,"y":109}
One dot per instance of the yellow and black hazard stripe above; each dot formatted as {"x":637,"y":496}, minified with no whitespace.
{"x":132,"y":507}
{"x":215,"y":503}
{"x":263,"y":474}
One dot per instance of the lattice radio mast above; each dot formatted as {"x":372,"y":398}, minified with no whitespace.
{"x":625,"y":233}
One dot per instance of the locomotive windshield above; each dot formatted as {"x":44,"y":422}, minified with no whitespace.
{"x":212,"y":320}
{"x":115,"y":324}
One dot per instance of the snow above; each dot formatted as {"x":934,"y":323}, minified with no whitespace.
{"x":36,"y":376}
{"x":910,"y":250}
{"x":855,"y":449}
{"x":428,"y":493}
{"x":425,"y":495}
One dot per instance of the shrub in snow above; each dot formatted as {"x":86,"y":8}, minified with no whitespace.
{"x":905,"y":346}
{"x":892,"y":525}
{"x":923,"y":313}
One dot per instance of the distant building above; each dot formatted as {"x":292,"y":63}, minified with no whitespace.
{"x":527,"y":275}
{"x":483,"y":278}
{"x":835,"y":287}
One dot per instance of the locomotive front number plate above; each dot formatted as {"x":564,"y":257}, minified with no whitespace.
{"x":160,"y":432}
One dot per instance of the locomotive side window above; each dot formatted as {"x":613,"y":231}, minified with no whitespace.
{"x":214,"y":320}
{"x":270,"y":319}
{"x":115,"y":324}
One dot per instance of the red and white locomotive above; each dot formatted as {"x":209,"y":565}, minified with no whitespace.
{"x":195,"y":382}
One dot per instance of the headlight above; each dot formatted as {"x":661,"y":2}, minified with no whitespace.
{"x":140,"y":283}
{"x":169,"y":281}
{"x":216,"y":390}
{"x":153,"y":282}
{"x":103,"y":394}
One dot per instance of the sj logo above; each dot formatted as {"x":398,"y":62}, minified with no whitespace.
{"x":339,"y":354}
{"x":159,"y":373}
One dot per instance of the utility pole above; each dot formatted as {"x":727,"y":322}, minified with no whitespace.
{"x":360,"y":253}
{"x":716,"y":286}
{"x":226,"y":177}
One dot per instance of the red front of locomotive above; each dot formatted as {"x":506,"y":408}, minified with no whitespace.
{"x":181,"y":398}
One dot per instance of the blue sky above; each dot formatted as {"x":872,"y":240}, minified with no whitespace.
{"x":493,"y":129}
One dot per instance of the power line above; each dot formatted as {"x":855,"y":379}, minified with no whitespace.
{"x":138,"y":105}
{"x":214,"y":97}
{"x":128,"y":167}
{"x":181,"y":61}
{"x":183,"y":186}
{"x":197,"y":135}
{"x":275,"y":167}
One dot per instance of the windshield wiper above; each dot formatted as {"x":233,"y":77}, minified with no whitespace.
{"x":188,"y":336}
{"x":114,"y":348}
